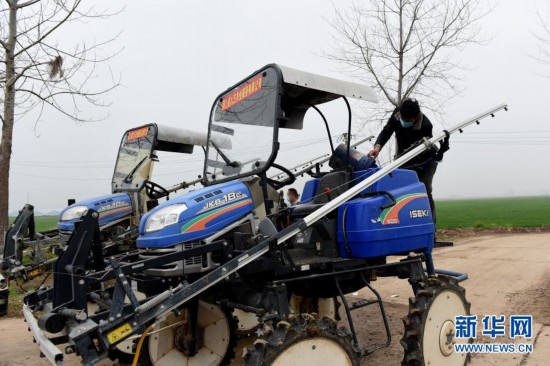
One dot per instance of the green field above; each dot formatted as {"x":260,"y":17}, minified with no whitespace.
{"x":42,"y":222}
{"x":484,"y":213}
{"x":494,"y":212}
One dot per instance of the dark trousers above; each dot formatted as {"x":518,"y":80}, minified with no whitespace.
{"x":426,"y":175}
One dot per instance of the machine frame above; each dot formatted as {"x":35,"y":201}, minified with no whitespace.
{"x":270,"y":268}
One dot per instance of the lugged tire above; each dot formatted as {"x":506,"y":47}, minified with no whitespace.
{"x":301,"y":340}
{"x":439,"y":294}
{"x":248,"y":323}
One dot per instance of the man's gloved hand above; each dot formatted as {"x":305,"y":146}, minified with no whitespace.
{"x":444,"y":146}
{"x":374,"y":152}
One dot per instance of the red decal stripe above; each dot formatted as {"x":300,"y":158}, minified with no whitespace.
{"x":393,"y":216}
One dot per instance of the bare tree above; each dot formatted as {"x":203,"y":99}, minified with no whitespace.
{"x":406,"y":47}
{"x":37,"y":71}
{"x":542,"y":34}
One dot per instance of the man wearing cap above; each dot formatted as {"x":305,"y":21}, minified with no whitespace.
{"x":410,"y":126}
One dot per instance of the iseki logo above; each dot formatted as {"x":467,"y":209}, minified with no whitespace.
{"x":416,"y":214}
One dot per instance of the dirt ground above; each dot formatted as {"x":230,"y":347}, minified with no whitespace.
{"x":508,"y":274}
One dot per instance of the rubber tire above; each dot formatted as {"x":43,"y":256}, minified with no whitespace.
{"x":245,"y":332}
{"x":276,"y":339}
{"x":145,"y":359}
{"x":414,"y":322}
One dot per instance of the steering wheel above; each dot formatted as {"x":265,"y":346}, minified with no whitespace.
{"x":155,"y":191}
{"x":280,"y":184}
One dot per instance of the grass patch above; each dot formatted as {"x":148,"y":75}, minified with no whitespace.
{"x":42,"y":222}
{"x":15,"y":302}
{"x":17,"y":293}
{"x":490,"y":213}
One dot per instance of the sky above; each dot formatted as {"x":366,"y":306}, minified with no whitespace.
{"x":179,"y":55}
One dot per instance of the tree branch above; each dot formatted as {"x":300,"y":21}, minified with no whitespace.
{"x":28,"y":3}
{"x":398,"y":46}
{"x":53,"y":29}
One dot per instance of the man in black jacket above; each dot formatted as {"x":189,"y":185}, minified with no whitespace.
{"x":410,"y":125}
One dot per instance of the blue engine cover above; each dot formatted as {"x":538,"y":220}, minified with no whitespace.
{"x":373,"y":231}
{"x":209,"y":210}
{"x":110,"y":208}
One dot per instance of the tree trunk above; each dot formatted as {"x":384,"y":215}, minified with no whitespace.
{"x":7,"y":126}
{"x":5,"y":157}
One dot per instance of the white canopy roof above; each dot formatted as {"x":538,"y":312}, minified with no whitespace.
{"x":329,"y":85}
{"x":190,"y":137}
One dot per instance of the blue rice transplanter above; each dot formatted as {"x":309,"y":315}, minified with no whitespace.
{"x":219,"y":259}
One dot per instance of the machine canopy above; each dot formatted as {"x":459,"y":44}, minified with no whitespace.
{"x":136,"y":152}
{"x":250,"y":113}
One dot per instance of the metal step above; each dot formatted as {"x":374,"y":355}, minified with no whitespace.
{"x":362,"y":303}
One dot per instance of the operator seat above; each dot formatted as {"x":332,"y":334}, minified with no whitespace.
{"x":333,"y":184}
{"x":330,"y":186}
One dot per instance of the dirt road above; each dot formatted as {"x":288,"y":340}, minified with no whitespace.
{"x":508,"y":274}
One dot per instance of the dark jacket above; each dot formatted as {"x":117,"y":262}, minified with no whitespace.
{"x":406,"y":136}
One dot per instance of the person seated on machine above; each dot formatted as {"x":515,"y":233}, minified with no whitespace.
{"x":292,"y":197}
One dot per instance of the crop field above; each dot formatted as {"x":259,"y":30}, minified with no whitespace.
{"x":486,"y":213}
{"x":491,"y":213}
{"x":42,"y":222}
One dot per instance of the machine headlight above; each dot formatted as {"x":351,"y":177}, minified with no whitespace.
{"x":73,"y":213}
{"x":164,"y":217}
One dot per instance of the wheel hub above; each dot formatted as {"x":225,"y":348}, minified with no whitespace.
{"x":447,"y":338}
{"x":212,"y":343}
{"x":187,"y":343}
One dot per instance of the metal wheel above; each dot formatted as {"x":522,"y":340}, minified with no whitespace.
{"x":303,"y":340}
{"x":429,"y":336}
{"x":216,"y":339}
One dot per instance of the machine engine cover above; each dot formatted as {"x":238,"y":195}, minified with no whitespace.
{"x":209,"y":210}
{"x":368,"y":227}
{"x":111,"y":207}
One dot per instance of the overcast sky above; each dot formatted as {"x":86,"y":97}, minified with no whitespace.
{"x":179,"y":55}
